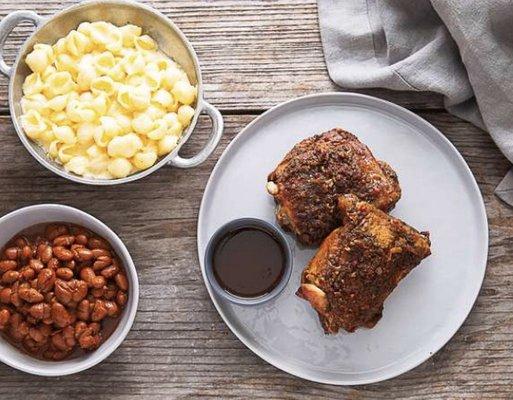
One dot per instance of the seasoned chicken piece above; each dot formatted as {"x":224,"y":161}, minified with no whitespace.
{"x":359,"y":264}
{"x":307,"y":182}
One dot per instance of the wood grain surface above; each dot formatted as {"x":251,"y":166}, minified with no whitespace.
{"x":254,"y":54}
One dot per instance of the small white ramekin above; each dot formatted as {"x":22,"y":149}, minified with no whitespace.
{"x":248,"y":223}
{"x":16,"y":221}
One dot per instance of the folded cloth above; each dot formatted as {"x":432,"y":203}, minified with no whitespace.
{"x":459,"y":48}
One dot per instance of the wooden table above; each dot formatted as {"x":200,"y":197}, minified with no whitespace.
{"x":254,"y":54}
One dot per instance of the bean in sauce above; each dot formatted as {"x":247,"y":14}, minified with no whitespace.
{"x":62,"y":290}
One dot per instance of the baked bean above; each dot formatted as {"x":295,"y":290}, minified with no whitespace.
{"x":36,"y":265}
{"x":98,"y":282}
{"x":44,"y":252}
{"x":63,"y":253}
{"x":64,"y":273}
{"x":10,"y":277}
{"x":76,"y":246}
{"x":70,"y":265}
{"x":8,"y":265}
{"x":83,"y":254}
{"x":18,"y":328}
{"x":112,"y":308}
{"x":40,"y":311}
{"x":87,"y":274}
{"x":4,"y":318}
{"x":110,"y":271}
{"x":89,"y":342}
{"x":53,"y":263}
{"x":99,"y":311}
{"x":46,"y":280}
{"x":90,"y":337}
{"x":69,"y":335}
{"x":102,"y":262}
{"x":12,"y":253}
{"x":39,"y":334}
{"x":61,"y":317}
{"x":64,"y":240}
{"x":81,"y":239}
{"x":83,"y":310}
{"x":110,"y":291}
{"x":5,"y":295}
{"x":80,"y":327}
{"x":58,"y":289}
{"x":95,"y":328}
{"x":23,"y":329}
{"x":79,"y":290}
{"x":121,"y":298}
{"x":30,"y":295}
{"x":121,"y":281}
{"x":97,"y":243}
{"x":60,"y":342}
{"x":27,"y":273}
{"x":49,"y":297}
{"x":101,"y":253}
{"x":70,"y":291}
{"x":16,"y":300}
{"x":27,"y":252}
{"x":63,"y":291}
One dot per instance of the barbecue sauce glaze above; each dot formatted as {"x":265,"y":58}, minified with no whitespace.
{"x":248,"y":262}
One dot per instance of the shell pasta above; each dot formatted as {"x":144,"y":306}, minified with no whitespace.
{"x":104,"y":102}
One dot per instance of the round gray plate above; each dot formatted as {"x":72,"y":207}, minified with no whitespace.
{"x":439,"y":194}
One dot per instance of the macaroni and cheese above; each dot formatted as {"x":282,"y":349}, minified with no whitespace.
{"x":104,"y":102}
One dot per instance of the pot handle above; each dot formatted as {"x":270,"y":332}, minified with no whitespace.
{"x":213,"y":141}
{"x":7,"y":25}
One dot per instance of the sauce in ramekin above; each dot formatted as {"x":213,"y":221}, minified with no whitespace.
{"x":249,"y":262}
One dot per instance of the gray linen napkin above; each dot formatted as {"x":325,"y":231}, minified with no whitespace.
{"x":462,"y":49}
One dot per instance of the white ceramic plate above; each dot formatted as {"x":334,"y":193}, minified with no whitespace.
{"x":439,"y":194}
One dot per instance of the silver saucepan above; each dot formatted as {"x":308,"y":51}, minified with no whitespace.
{"x":119,"y":12}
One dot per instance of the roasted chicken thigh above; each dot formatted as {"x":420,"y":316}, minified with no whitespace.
{"x":359,"y":264}
{"x":307,"y":182}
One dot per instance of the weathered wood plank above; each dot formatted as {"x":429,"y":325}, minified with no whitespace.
{"x":180,"y":348}
{"x":254,"y":54}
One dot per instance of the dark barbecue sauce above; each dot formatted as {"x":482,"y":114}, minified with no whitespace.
{"x":248,"y":262}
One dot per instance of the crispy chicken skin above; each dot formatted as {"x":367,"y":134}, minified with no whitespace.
{"x":307,"y":182}
{"x":359,"y":264}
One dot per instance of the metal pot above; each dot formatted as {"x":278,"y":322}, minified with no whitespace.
{"x":170,"y":39}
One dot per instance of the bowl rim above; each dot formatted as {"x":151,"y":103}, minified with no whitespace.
{"x":121,"y":331}
{"x":200,"y":103}
{"x":240,"y":223}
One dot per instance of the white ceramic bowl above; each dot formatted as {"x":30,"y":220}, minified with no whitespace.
{"x":16,"y":221}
